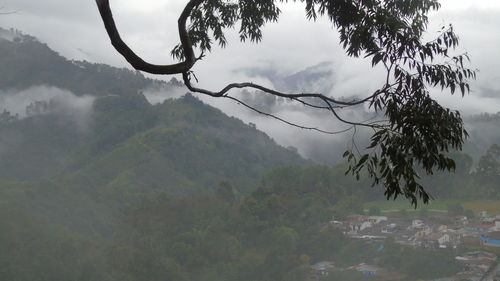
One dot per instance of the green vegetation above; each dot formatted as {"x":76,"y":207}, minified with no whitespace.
{"x":274,"y":233}
{"x":28,"y":61}
{"x":413,"y":261}
{"x":175,"y":191}
{"x":415,"y":133}
{"x":124,"y":142}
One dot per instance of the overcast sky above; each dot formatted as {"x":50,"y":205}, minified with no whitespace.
{"x":73,"y":28}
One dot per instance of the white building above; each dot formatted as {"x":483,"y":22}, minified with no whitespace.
{"x":376,"y":219}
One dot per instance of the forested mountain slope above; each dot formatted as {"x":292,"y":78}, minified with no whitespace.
{"x":96,"y":183}
{"x":119,"y":139}
{"x":28,"y":62}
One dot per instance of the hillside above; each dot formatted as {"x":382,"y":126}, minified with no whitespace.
{"x":191,"y":147}
{"x":32,"y":63}
{"x":79,"y":141}
{"x":118,"y":139}
{"x":98,"y":184}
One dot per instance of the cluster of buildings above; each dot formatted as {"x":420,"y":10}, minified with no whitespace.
{"x":324,"y":268}
{"x":446,"y":232}
{"x":439,"y":232}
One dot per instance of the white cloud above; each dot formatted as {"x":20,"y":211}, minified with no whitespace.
{"x":158,"y":95}
{"x":74,"y":29}
{"x":59,"y":101}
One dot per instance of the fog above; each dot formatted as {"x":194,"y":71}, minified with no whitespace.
{"x":150,"y":30}
{"x":139,"y":180}
{"x":156,"y":95}
{"x":59,"y":101}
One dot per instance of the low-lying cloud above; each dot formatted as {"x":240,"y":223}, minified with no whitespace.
{"x":156,"y":95}
{"x":46,"y":100}
{"x":293,"y":44}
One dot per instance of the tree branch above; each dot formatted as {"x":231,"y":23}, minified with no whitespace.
{"x":136,"y":61}
{"x":190,"y":59}
{"x":226,"y":89}
{"x":391,"y":33}
{"x":286,"y":121}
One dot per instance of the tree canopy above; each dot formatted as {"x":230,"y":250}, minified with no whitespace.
{"x":414,"y":132}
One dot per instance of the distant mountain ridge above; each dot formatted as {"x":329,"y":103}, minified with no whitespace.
{"x":28,"y":61}
{"x":316,"y":78}
{"x":124,"y":140}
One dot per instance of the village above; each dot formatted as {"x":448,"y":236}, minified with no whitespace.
{"x":474,"y":242}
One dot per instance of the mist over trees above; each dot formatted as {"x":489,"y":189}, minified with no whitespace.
{"x":175,"y":190}
{"x":414,"y":132}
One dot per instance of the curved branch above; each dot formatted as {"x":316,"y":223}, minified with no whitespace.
{"x":190,"y":59}
{"x":362,"y":124}
{"x":285,"y":121}
{"x":225,"y":90}
{"x":136,"y":61}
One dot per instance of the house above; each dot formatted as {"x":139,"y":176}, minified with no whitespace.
{"x":470,"y":240}
{"x":376,"y":219}
{"x":491,"y":239}
{"x":339,"y":225}
{"x":355,"y":218}
{"x":359,"y":226}
{"x":444,"y":241}
{"x":481,"y":228}
{"x":488,"y":220}
{"x":422,"y":231}
{"x":460,"y":220}
{"x":372,"y":237}
{"x":322,"y":268}
{"x":415,"y":224}
{"x":422,"y":234}
{"x":442,"y":228}
{"x":483,"y":214}
{"x":389,"y":229}
{"x":497,"y":225}
{"x":435,"y":240}
{"x":367,"y":269}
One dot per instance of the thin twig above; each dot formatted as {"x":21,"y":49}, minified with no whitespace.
{"x":285,"y":121}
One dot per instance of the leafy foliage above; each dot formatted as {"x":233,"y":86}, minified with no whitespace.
{"x":488,"y":172}
{"x":419,"y":132}
{"x":416,"y":132}
{"x":489,"y":163}
{"x":7,"y":117}
{"x":274,"y":233}
{"x":124,"y":142}
{"x":126,"y":200}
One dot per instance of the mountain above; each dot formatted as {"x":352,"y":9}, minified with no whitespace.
{"x":191,"y":147}
{"x":79,"y":141}
{"x":316,"y":78}
{"x":106,"y":140}
{"x":98,"y":184}
{"x":119,"y":140}
{"x":32,"y":63}
{"x":484,"y":131}
{"x":483,"y":128}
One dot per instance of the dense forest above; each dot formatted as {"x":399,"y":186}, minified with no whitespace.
{"x":275,"y":233}
{"x":122,"y":189}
